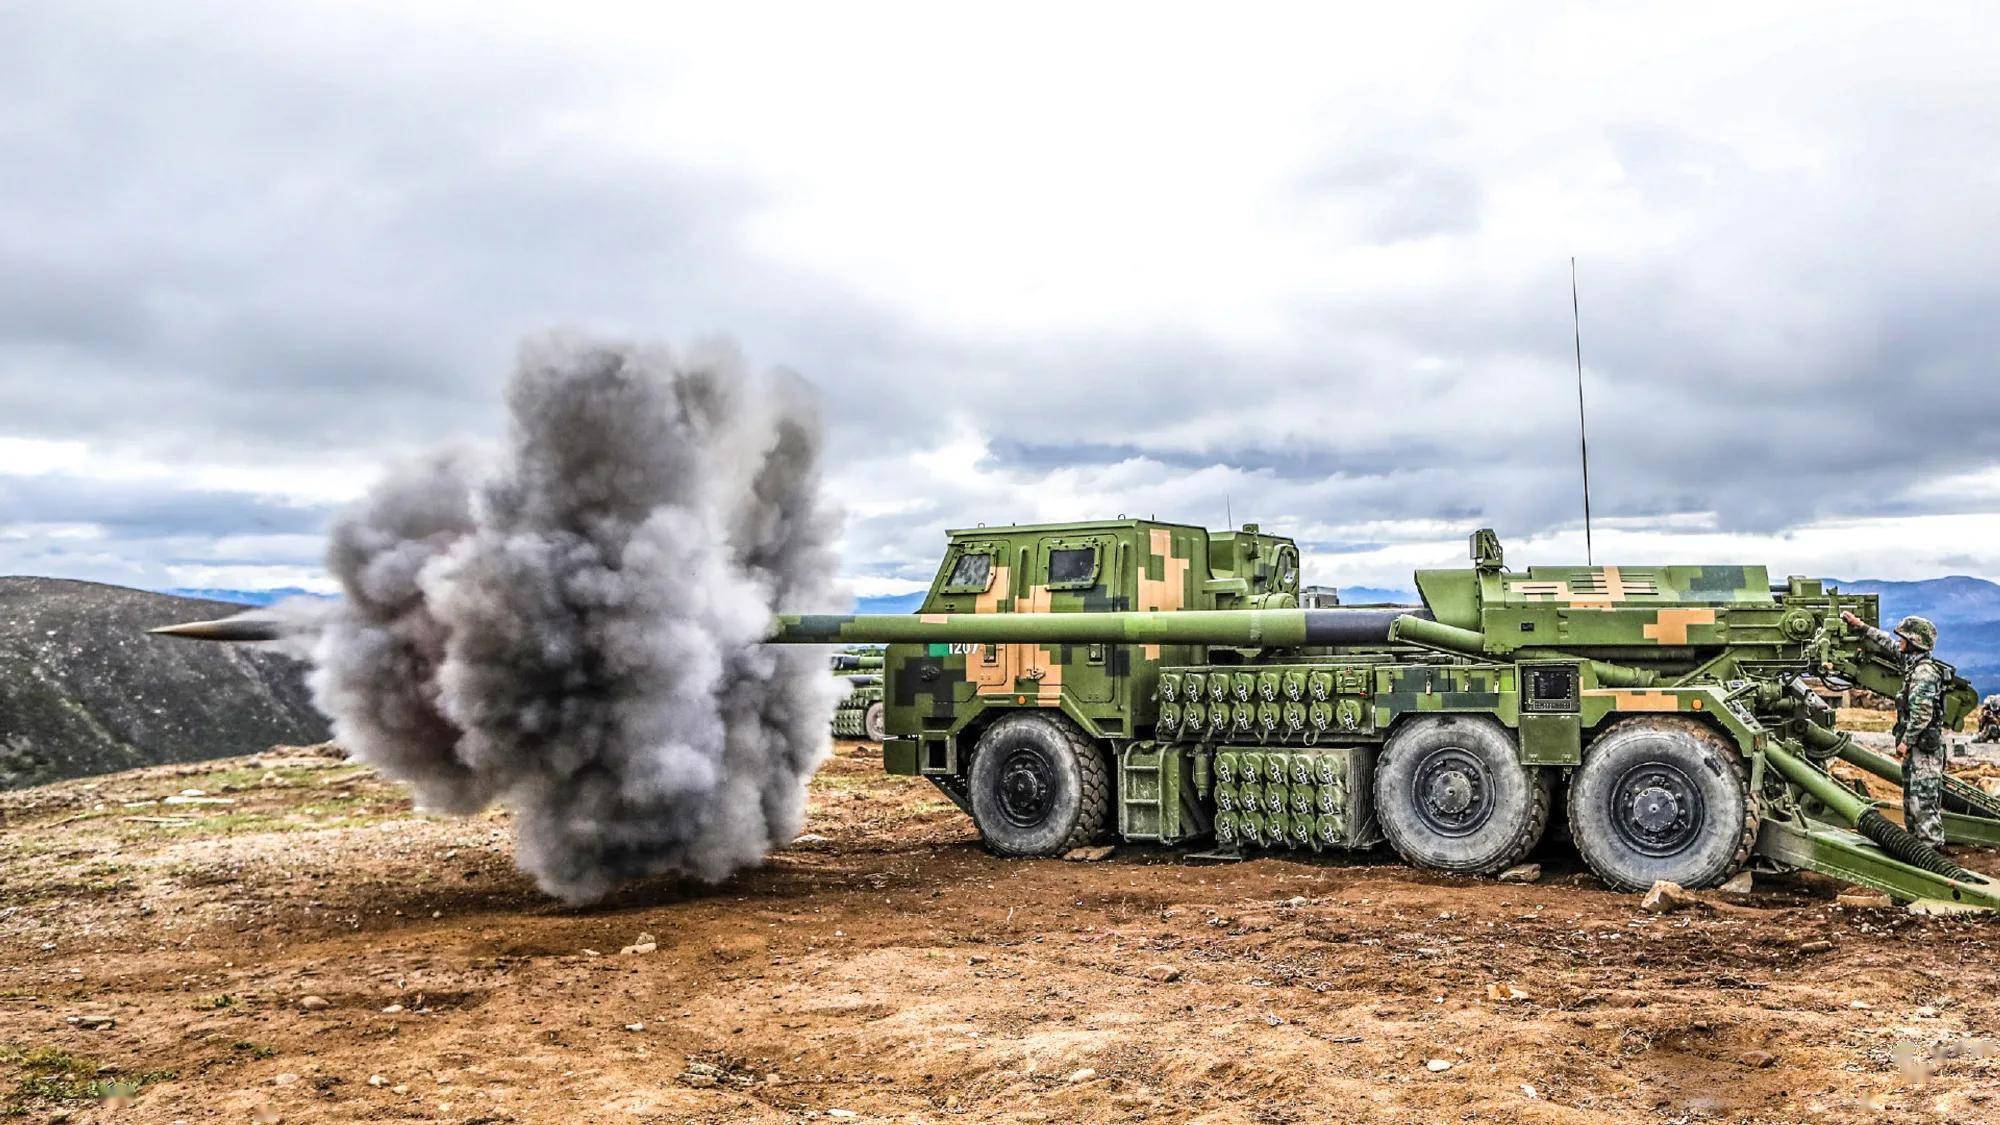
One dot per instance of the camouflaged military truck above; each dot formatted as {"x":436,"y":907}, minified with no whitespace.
{"x":1163,"y":683}
{"x":860,"y":713}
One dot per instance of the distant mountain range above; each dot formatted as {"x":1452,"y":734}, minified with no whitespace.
{"x":1966,"y":610}
{"x":240,"y":597}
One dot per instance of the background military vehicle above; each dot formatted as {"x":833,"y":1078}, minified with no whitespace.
{"x":860,"y":712}
{"x":1162,"y":683}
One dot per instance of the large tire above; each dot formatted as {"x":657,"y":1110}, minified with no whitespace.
{"x":1452,"y":795}
{"x":1662,"y":798}
{"x":872,"y":727}
{"x":1039,"y":786}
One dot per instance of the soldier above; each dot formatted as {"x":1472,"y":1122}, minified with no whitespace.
{"x":1989,"y":720}
{"x":1919,"y":726}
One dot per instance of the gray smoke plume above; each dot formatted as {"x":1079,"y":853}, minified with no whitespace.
{"x":571,"y":628}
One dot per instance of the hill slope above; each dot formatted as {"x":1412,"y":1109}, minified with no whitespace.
{"x":83,"y":690}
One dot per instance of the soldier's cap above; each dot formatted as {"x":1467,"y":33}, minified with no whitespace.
{"x":1918,"y":631}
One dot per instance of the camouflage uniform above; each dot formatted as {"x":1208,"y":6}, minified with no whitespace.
{"x":1919,"y":726}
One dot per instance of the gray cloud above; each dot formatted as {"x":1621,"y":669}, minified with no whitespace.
{"x":314,"y":236}
{"x":155,"y":508}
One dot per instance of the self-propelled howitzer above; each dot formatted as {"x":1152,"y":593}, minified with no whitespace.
{"x":1165,"y":684}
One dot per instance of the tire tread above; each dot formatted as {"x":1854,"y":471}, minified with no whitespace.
{"x":1094,"y":789}
{"x":1746,"y":840}
{"x":1541,"y":791}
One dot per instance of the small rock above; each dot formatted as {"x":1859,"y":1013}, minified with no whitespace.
{"x":315,"y":1003}
{"x":1739,"y":885}
{"x":812,"y":838}
{"x":399,"y":1088}
{"x":392,"y":1009}
{"x":1084,"y":1075}
{"x":1940,"y":908}
{"x":1297,"y":900}
{"x":1815,"y":946}
{"x":635,"y":1026}
{"x":1860,"y":1005}
{"x":644,"y":943}
{"x":1522,"y":873}
{"x":841,"y":1113}
{"x":94,"y":1023}
{"x":1438,"y":1066}
{"x":1530,"y":1091}
{"x":1757,"y":1060}
{"x":285,"y":1079}
{"x":377,"y":1080}
{"x":1667,"y":896}
{"x":1163,"y":974}
{"x":1865,"y":900}
{"x":1926,"y":1012}
{"x":977,"y":959}
{"x":1089,"y":855}
{"x":1504,"y":992}
{"x":701,"y":1075}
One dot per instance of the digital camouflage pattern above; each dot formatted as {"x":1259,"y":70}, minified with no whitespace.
{"x":1184,"y":654}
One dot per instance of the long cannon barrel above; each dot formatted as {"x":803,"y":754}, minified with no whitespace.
{"x":1236,"y":628}
{"x":1239,"y":628}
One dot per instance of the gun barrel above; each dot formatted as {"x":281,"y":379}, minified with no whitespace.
{"x":1236,"y":628}
{"x":235,"y":630}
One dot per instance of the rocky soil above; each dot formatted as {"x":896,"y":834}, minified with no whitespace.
{"x":280,"y":938}
{"x":84,"y":690}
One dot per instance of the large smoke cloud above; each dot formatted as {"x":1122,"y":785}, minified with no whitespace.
{"x":571,"y":627}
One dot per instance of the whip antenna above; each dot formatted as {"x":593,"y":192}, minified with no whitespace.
{"x":1582,"y":430}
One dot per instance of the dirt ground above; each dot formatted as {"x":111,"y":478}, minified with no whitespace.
{"x":161,"y":933}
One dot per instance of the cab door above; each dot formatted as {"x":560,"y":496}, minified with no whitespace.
{"x":1075,"y":574}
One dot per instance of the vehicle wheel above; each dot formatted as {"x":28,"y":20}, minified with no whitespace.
{"x":1039,"y":785}
{"x":1662,"y":798}
{"x":1452,"y":795}
{"x":872,"y":727}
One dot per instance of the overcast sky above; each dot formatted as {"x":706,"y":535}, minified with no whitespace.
{"x":1308,"y":268}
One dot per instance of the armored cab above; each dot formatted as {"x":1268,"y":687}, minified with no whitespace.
{"x":942,"y":696}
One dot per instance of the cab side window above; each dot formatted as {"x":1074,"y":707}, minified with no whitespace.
{"x":1072,"y":566}
{"x":973,"y":572}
